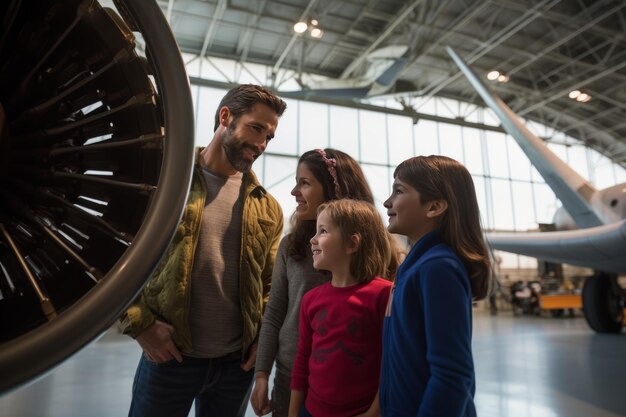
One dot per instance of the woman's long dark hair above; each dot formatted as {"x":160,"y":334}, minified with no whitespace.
{"x":438,"y":177}
{"x":352,"y":184}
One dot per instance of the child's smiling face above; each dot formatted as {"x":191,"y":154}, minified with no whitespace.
{"x":330,"y":252}
{"x":407,"y":214}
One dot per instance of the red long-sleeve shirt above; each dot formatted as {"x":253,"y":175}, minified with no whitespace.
{"x":339,"y":349}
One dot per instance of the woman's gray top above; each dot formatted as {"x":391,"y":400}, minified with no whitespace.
{"x":291,"y":279}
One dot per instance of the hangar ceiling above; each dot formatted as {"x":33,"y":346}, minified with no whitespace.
{"x":547,"y":48}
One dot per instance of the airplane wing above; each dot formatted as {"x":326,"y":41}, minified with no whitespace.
{"x":601,"y":248}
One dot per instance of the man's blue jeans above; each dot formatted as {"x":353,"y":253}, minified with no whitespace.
{"x":219,"y":386}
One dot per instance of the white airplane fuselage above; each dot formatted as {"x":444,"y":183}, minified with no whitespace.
{"x":609,"y":204}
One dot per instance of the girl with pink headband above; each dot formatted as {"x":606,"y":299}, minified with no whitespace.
{"x":322,"y":175}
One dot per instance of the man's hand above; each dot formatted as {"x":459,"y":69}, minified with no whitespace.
{"x":251,"y":361}
{"x":156,"y":342}
{"x":259,"y":399}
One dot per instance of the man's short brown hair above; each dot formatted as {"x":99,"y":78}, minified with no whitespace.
{"x":242,"y":98}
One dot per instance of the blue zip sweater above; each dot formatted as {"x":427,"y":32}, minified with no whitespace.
{"x":427,"y":365}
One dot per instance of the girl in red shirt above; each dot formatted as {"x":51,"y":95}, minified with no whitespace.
{"x":337,"y":368}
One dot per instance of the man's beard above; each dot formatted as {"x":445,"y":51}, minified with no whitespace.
{"x":234,"y":150}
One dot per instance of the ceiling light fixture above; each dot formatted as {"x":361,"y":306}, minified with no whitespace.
{"x":583,"y":97}
{"x":493,"y":75}
{"x":300,"y":27}
{"x":498,"y":76}
{"x":312,"y":28}
{"x":579,"y":96}
{"x":574,"y":94}
{"x":317,"y":33}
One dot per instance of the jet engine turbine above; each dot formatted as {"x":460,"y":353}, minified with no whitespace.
{"x":96,"y":153}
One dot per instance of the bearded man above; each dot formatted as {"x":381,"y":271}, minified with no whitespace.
{"x":198,"y":318}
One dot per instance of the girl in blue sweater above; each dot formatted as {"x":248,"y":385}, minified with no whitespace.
{"x":427,"y":365}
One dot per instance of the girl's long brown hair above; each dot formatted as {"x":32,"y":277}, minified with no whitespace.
{"x":438,"y":177}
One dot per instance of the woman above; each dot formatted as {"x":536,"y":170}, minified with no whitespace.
{"x":322,"y":175}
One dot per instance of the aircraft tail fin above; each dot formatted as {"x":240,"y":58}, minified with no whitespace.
{"x":573,"y":190}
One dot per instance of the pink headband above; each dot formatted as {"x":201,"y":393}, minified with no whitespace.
{"x":331,"y":163}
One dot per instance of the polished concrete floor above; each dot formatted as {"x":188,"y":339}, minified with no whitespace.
{"x":525,"y":367}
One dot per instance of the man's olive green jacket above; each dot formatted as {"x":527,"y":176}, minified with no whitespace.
{"x":167,"y":297}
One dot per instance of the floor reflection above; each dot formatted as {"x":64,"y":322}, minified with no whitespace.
{"x":525,"y":367}
{"x":542,"y":366}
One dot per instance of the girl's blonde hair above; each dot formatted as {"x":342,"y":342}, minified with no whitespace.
{"x":373,"y":256}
